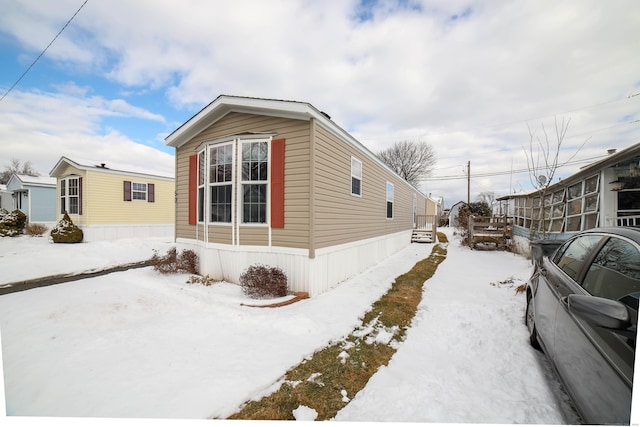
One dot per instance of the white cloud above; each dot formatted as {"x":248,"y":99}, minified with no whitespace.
{"x":42,"y":127}
{"x":465,"y":76}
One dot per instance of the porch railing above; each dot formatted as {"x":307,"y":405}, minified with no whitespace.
{"x":426,"y":222}
{"x":424,"y":229}
{"x":628,"y":221}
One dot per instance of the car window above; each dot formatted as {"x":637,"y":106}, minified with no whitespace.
{"x":575,"y":252}
{"x":615,"y":271}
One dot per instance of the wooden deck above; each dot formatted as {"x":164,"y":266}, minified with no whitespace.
{"x":488,"y":230}
{"x":424,"y":230}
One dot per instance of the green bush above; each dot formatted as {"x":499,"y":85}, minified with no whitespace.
{"x":66,"y":231}
{"x":12,"y":223}
{"x":259,"y":281}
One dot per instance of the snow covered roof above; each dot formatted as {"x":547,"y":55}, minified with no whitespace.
{"x":110,"y":167}
{"x":40,"y":181}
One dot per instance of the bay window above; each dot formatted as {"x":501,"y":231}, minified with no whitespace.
{"x":255,"y":161}
{"x":223,"y":188}
{"x":70,"y":195}
{"x":220,"y":182}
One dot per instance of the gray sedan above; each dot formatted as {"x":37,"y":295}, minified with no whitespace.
{"x":582,"y":311}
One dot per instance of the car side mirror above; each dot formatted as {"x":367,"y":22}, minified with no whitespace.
{"x":599,"y":311}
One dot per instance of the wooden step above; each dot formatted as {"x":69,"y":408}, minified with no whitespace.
{"x":422,"y":236}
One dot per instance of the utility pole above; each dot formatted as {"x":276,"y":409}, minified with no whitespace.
{"x":468,"y":182}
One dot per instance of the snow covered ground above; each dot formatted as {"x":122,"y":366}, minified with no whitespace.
{"x":24,"y":257}
{"x":137,"y":344}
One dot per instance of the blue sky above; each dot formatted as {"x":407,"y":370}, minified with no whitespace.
{"x":469,"y":77}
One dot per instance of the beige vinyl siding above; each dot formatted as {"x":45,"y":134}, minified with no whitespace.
{"x":183,"y":229}
{"x":295,"y":233}
{"x":104,"y":200}
{"x":296,"y":133}
{"x":254,"y":235}
{"x":220,"y":234}
{"x":431,"y":208}
{"x":341,"y":217}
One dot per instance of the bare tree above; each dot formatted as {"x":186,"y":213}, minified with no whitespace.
{"x":413,"y":161}
{"x":488,"y":197}
{"x":15,"y":167}
{"x":543,"y":163}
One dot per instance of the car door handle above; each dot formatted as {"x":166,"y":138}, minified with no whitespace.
{"x":543,"y":271}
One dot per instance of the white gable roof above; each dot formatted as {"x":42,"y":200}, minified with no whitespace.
{"x":37,"y":181}
{"x":103,"y":167}
{"x":225,"y":104}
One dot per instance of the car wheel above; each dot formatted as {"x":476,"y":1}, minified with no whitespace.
{"x":530,"y":321}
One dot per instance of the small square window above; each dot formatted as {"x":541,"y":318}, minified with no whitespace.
{"x":138,"y":191}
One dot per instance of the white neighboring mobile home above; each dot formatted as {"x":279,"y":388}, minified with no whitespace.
{"x":602,"y":194}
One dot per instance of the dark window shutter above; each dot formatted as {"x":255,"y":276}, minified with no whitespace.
{"x":193,"y":188}
{"x":80,"y":195}
{"x":63,"y":188}
{"x":277,"y":183}
{"x":127,"y":191}
{"x":151,"y":193}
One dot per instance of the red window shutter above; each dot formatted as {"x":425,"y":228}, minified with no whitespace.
{"x":80,"y":195}
{"x":151,"y":193}
{"x":193,"y":188}
{"x":277,"y":183}
{"x":127,"y":191}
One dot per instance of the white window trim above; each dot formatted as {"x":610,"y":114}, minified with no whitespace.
{"x":241,"y":182}
{"x":236,"y":183}
{"x":67,"y":197}
{"x":145,"y":192}
{"x":355,"y":176}
{"x":201,"y":202}
{"x":208,"y":184}
{"x":389,"y":200}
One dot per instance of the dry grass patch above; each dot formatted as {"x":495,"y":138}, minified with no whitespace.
{"x":328,"y":379}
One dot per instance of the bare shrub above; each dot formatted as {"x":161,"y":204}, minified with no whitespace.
{"x":203,"y":280}
{"x":188,"y":261}
{"x":167,"y":263}
{"x":259,"y":281}
{"x":171,"y":262}
{"x":35,"y":229}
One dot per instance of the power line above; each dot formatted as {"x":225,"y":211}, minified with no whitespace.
{"x":568,"y":163}
{"x":43,"y":52}
{"x":427,"y":134}
{"x":490,"y":174}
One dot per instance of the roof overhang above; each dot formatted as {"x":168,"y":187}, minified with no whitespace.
{"x":61,"y":165}
{"x":584,"y":172}
{"x":21,"y":180}
{"x":225,"y":104}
